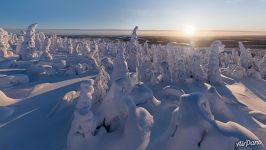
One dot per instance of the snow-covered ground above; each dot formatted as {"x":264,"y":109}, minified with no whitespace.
{"x":95,"y":94}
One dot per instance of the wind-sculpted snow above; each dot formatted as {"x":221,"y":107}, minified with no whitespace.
{"x":139,"y":97}
{"x":193,"y":126}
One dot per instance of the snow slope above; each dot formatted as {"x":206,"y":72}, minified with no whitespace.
{"x":30,"y":119}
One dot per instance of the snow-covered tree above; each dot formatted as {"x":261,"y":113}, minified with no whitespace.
{"x":248,"y":62}
{"x":120,"y":69}
{"x":83,"y":125}
{"x":77,"y":49}
{"x":54,"y":44}
{"x":19,"y":44}
{"x":166,"y":75}
{"x":28,"y":48}
{"x":86,"y":50}
{"x":262,"y":67}
{"x":45,"y":54}
{"x":40,"y":41}
{"x":132,"y":51}
{"x":4,"y":45}
{"x":69,"y":46}
{"x":214,"y":74}
{"x":108,"y":64}
{"x":101,"y":86}
{"x":180,"y":73}
{"x":94,"y":52}
{"x":196,"y":68}
{"x":245,"y":57}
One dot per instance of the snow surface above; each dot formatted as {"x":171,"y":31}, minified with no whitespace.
{"x":97,"y":94}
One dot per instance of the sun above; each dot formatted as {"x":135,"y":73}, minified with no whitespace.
{"x":189,"y":30}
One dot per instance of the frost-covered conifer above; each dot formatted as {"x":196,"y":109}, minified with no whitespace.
{"x":101,"y":86}
{"x":196,"y":68}
{"x":94,"y":53}
{"x":262,"y":67}
{"x":132,"y":51}
{"x":108,"y":64}
{"x":69,"y":46}
{"x":19,"y":44}
{"x":4,"y":45}
{"x":28,"y":48}
{"x":214,"y":74}
{"x":180,"y":72}
{"x":45,"y":54}
{"x":83,"y":125}
{"x":120,"y":68}
{"x":245,"y":57}
{"x":166,"y":75}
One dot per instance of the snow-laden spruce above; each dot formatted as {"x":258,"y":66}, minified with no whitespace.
{"x":248,"y":62}
{"x":262,"y":67}
{"x":4,"y":45}
{"x":196,"y":69}
{"x":214,"y":74}
{"x":245,"y":57}
{"x":102,"y":82}
{"x":28,"y":49}
{"x":132,"y":51}
{"x":120,"y":67}
{"x":83,"y":124}
{"x":46,"y":56}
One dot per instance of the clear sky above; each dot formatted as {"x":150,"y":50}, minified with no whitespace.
{"x":245,"y":15}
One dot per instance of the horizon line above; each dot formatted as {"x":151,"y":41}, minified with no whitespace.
{"x":106,"y":29}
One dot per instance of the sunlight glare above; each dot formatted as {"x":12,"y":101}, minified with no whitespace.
{"x":189,"y":30}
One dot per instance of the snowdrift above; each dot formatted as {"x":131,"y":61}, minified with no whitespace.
{"x":4,"y":100}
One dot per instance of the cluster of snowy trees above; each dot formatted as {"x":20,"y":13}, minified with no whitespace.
{"x":151,"y":63}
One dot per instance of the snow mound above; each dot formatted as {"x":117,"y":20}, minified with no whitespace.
{"x":260,"y":116}
{"x":143,"y":96}
{"x":40,"y":88}
{"x":70,"y":96}
{"x":228,"y":110}
{"x":12,"y":80}
{"x":193,"y":127}
{"x":172,"y":91}
{"x":4,"y":100}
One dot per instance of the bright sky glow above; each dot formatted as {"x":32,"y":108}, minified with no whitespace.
{"x":241,"y":15}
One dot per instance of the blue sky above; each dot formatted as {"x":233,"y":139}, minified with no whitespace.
{"x":246,"y":15}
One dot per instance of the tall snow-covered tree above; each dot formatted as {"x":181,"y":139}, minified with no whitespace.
{"x":83,"y":125}
{"x":95,"y":52}
{"x":214,"y":74}
{"x":28,"y":48}
{"x":101,"y":86}
{"x":4,"y":45}
{"x":245,"y":57}
{"x":120,"y":69}
{"x":166,"y":75}
{"x":69,"y":46}
{"x":132,"y":51}
{"x":262,"y":67}
{"x":196,"y":68}
{"x":45,"y":53}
